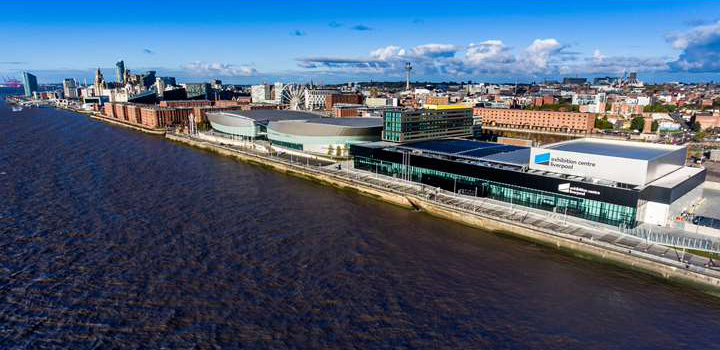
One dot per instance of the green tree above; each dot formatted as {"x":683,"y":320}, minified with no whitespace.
{"x":659,"y":108}
{"x":655,"y":125}
{"x":637,"y":123}
{"x":603,"y":123}
{"x":696,"y":127}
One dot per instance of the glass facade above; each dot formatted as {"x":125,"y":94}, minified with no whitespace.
{"x":607,"y":213}
{"x":403,"y":126}
{"x":287,"y":144}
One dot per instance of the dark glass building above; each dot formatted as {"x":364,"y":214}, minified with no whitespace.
{"x":429,"y":123}
{"x":120,"y":72}
{"x":29,"y":84}
{"x":502,"y":172}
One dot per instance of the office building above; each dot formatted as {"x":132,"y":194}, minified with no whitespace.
{"x":333,"y":99}
{"x":120,"y":72}
{"x":432,"y":122}
{"x":29,"y":84}
{"x":198,"y":91}
{"x":261,"y":93}
{"x":537,"y":120}
{"x":316,"y":99}
{"x":574,"y":81}
{"x":149,"y":78}
{"x":70,"y":89}
{"x":576,"y":178}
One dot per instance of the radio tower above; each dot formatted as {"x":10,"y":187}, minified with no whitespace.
{"x":408,"y":68}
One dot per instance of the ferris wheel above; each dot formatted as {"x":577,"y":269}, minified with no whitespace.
{"x":294,"y":96}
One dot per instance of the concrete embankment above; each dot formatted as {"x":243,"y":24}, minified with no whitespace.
{"x":667,"y":269}
{"x":384,"y":195}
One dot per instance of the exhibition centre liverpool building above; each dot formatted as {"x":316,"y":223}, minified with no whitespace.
{"x":618,"y":183}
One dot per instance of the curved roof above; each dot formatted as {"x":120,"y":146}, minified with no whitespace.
{"x":354,"y":126}
{"x":350,"y":121}
{"x":265,"y":115}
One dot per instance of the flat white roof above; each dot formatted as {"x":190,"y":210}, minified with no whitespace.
{"x":614,"y":148}
{"x":676,"y":177}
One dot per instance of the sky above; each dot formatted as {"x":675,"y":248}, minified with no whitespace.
{"x":337,"y":41}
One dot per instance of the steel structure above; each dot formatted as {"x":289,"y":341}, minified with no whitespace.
{"x":294,"y":96}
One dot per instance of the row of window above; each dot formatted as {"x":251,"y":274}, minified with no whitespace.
{"x":608,"y":213}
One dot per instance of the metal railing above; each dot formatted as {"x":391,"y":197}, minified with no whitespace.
{"x":696,"y":243}
{"x":485,"y":205}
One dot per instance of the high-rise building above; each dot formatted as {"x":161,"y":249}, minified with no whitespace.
{"x":70,"y":88}
{"x":99,"y":82}
{"x":278,"y":92}
{"x":120,"y":71}
{"x":261,"y":93}
{"x":160,"y":86}
{"x":29,"y":83}
{"x":198,"y":91}
{"x":149,"y":78}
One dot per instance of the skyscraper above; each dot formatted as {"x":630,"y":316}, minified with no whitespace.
{"x":29,"y":83}
{"x":70,"y":88}
{"x":120,"y":71}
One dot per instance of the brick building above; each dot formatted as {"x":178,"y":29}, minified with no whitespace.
{"x":186,"y":103}
{"x":149,"y":116}
{"x":200,"y":113}
{"x":332,"y":99}
{"x":536,"y":120}
{"x":708,"y":120}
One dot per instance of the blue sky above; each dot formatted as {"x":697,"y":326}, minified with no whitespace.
{"x":338,"y":41}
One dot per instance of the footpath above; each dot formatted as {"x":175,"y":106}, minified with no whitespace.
{"x":554,"y":230}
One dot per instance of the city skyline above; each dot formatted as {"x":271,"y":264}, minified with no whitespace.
{"x":369,"y":40}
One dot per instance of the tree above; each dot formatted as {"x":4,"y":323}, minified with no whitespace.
{"x":659,"y":108}
{"x":330,"y":150}
{"x":637,"y":123}
{"x":695,"y":126}
{"x":603,"y":123}
{"x":655,"y":125}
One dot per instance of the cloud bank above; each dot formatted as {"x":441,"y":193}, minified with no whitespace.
{"x":699,"y":51}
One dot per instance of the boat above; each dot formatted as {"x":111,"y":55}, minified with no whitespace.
{"x":16,"y":108}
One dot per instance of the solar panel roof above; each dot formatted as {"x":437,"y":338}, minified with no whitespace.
{"x":451,"y":146}
{"x":612,"y":150}
{"x":482,"y":152}
{"x":519,"y":157}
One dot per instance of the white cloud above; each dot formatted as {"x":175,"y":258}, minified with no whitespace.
{"x":489,"y":51}
{"x":434,"y":50}
{"x":219,"y":69}
{"x":598,"y":56}
{"x":700,"y":49}
{"x":540,"y":52}
{"x":387,"y":52}
{"x":542,"y":56}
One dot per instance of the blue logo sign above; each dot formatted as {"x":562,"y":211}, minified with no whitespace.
{"x":543,"y":159}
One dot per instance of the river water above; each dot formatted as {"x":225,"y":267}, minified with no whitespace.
{"x":111,"y":238}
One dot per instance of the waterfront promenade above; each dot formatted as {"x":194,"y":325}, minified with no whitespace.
{"x":562,"y":232}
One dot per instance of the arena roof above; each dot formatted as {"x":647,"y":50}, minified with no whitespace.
{"x":272,"y":114}
{"x":611,"y":148}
